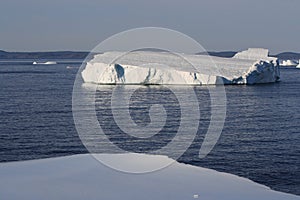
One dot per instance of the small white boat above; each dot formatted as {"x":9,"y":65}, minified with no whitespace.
{"x":45,"y":63}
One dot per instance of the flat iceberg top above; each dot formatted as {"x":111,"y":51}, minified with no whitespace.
{"x":179,"y":61}
{"x":145,"y":67}
{"x":83,"y":177}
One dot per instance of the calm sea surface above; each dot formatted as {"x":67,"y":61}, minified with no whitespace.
{"x":260,"y":139}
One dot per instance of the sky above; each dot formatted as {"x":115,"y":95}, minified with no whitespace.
{"x":218,"y":25}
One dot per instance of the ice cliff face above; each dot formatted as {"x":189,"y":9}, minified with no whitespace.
{"x":127,"y":74}
{"x":163,"y":68}
{"x":259,"y":72}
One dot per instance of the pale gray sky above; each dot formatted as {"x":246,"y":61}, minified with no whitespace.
{"x":44,"y":25}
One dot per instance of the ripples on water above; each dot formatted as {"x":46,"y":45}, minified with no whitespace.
{"x":260,"y":139}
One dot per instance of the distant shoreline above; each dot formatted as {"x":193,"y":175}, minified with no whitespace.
{"x":43,"y":55}
{"x":4,"y":55}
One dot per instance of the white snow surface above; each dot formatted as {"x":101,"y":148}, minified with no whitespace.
{"x":83,"y":177}
{"x":144,"y":67}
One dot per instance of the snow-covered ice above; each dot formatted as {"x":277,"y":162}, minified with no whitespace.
{"x":83,"y":177}
{"x":143,"y":67}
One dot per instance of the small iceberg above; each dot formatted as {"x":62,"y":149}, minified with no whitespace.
{"x":298,"y":66}
{"x":45,"y":63}
{"x":288,"y":63}
{"x":71,"y":67}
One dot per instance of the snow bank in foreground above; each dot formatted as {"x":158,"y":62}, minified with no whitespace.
{"x":248,"y":67}
{"x":82,"y":177}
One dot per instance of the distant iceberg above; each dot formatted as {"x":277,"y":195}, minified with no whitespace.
{"x":289,"y":63}
{"x":44,"y":63}
{"x":143,"y":67}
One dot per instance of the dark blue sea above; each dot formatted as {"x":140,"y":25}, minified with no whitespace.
{"x":260,"y":139}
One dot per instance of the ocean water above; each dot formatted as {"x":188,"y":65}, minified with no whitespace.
{"x":260,"y":139}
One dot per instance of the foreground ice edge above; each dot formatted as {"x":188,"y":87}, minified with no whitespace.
{"x":248,"y":67}
{"x":83,"y":177}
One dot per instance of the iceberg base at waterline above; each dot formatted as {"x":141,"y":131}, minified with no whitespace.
{"x":143,"y":67}
{"x":83,"y":177}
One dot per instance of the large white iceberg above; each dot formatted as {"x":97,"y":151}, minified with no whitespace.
{"x":144,"y":67}
{"x":83,"y":177}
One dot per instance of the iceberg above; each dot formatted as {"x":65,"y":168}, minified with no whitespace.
{"x":298,"y":66}
{"x":83,"y":177}
{"x":144,"y":67}
{"x":289,"y":63}
{"x":45,"y":63}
